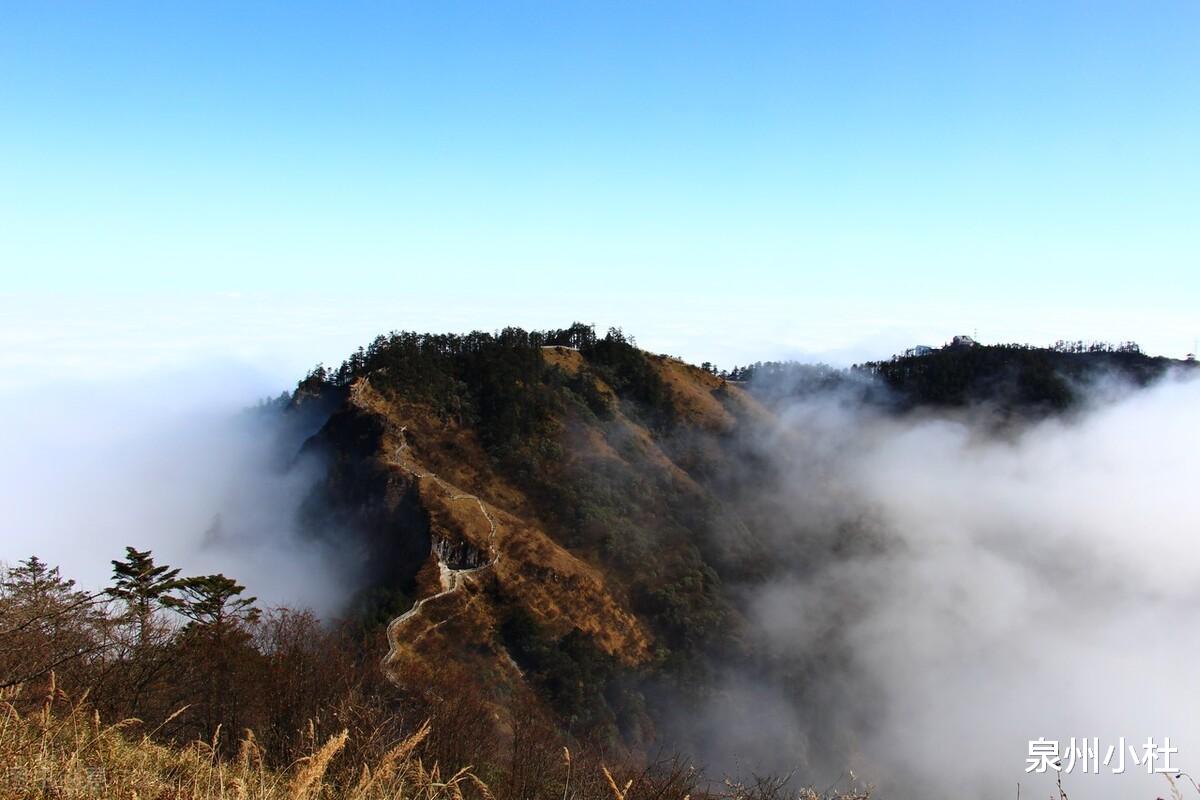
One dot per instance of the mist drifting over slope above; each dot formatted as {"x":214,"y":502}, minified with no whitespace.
{"x":942,"y":588}
{"x":177,"y":462}
{"x":1001,"y":584}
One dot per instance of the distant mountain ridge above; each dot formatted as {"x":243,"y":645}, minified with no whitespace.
{"x":1018,"y":378}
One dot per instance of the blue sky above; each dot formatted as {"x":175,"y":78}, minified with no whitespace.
{"x":829,"y":179}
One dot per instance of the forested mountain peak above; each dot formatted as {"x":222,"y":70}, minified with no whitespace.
{"x":566,"y":518}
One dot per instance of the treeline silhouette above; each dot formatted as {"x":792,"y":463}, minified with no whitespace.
{"x":499,"y":381}
{"x":153,"y":642}
{"x":1016,"y":378}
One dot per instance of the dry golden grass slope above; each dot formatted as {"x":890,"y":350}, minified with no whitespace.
{"x":473,"y":508}
{"x":64,"y":751}
{"x":493,"y":549}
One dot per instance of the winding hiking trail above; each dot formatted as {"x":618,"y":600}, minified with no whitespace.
{"x":451,"y":579}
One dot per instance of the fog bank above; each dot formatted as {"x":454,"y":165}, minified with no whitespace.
{"x":1003,"y":586}
{"x":170,"y":461}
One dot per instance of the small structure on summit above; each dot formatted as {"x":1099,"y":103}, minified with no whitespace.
{"x":962,"y":342}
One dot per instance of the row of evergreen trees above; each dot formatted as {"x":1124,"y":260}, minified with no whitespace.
{"x":500,"y":382}
{"x":154,"y":642}
{"x":41,"y":607}
{"x":1013,"y":377}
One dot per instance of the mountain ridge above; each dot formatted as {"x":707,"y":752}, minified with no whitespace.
{"x":566,"y":518}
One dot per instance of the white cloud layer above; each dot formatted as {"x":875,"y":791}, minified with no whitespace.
{"x":167,"y":462}
{"x":1038,"y":583}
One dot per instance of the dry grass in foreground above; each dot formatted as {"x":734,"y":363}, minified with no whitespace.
{"x":63,"y":751}
{"x":72,"y":755}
